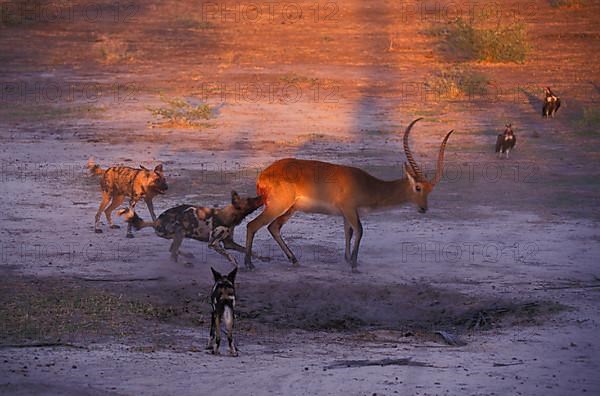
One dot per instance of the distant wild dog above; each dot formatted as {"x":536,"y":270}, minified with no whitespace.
{"x":551,"y":103}
{"x":506,"y":141}
{"x":222,"y":301}
{"x":291,"y":185}
{"x":119,"y":182}
{"x":212,"y":225}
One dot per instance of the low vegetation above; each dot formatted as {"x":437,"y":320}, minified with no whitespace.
{"x":113,"y":50}
{"x":589,"y":124}
{"x":457,"y":82}
{"x":179,"y":113}
{"x":39,"y":310}
{"x":503,"y":43}
{"x":566,"y":3}
{"x":47,"y":112}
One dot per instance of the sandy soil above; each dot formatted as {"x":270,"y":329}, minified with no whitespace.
{"x":505,"y":259}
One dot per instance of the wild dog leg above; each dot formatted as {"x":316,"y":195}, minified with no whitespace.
{"x":103,"y":204}
{"x":177,"y":240}
{"x":150,"y":206}
{"x":228,"y":319}
{"x":216,"y":246}
{"x":211,"y":340}
{"x":116,"y":202}
{"x":217,"y":333}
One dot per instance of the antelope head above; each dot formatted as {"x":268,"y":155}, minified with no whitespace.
{"x":420,"y":186}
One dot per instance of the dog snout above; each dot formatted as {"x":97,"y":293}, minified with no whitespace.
{"x":422,"y":210}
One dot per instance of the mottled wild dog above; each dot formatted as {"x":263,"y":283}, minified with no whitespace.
{"x":506,"y":141}
{"x":212,"y":225}
{"x":222,"y":301}
{"x":551,"y":103}
{"x":291,"y":185}
{"x":119,"y":182}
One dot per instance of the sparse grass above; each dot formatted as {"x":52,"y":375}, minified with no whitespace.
{"x":566,"y":3}
{"x":293,"y":78}
{"x":48,"y":310}
{"x":504,"y":43}
{"x":589,"y":124}
{"x":179,"y":113}
{"x":192,"y":23}
{"x":45,"y":112}
{"x":457,"y":82}
{"x":114,"y":50}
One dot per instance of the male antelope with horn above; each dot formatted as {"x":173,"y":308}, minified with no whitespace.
{"x":291,"y":185}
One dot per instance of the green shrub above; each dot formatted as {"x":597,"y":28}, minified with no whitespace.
{"x":505,"y":43}
{"x":177,"y":112}
{"x":457,"y":82}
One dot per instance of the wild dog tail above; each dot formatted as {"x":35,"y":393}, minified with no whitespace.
{"x":136,"y":221}
{"x":94,"y":168}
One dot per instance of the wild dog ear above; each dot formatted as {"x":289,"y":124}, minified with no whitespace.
{"x":231,"y":275}
{"x":235,"y":198}
{"x":216,"y":275}
{"x":411,"y":178}
{"x":143,"y":167}
{"x":158,"y":168}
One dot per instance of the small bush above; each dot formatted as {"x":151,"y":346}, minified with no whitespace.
{"x":457,"y":82}
{"x":113,"y":50}
{"x":177,"y":112}
{"x":506,"y":43}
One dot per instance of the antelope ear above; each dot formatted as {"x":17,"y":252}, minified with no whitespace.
{"x":231,"y":275}
{"x":143,"y":167}
{"x":158,"y":168}
{"x":411,"y":178}
{"x":216,"y":275}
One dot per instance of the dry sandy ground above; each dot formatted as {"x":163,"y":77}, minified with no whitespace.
{"x":506,"y":258}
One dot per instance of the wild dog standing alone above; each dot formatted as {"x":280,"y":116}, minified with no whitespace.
{"x":291,"y":185}
{"x":119,"y":182}
{"x":551,"y":103}
{"x":506,"y":141}
{"x":212,"y":225}
{"x":222,"y":301}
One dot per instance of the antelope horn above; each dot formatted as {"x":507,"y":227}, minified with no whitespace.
{"x":413,"y":164}
{"x":440,"y":162}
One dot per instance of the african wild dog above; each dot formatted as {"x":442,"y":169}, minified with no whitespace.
{"x":119,"y":182}
{"x":222,"y":301}
{"x":212,"y":225}
{"x":506,"y":141}
{"x":551,"y":103}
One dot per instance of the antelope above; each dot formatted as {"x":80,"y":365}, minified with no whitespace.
{"x":290,"y":185}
